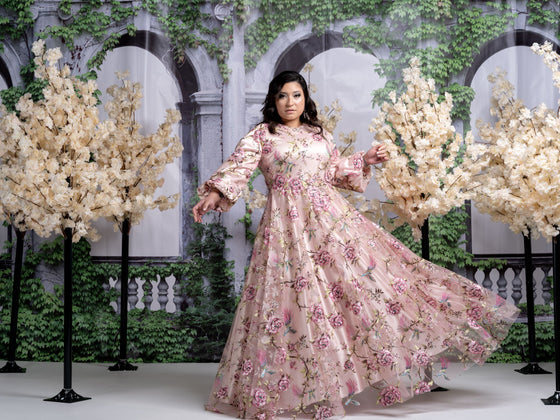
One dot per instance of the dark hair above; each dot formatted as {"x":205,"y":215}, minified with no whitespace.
{"x":270,"y":113}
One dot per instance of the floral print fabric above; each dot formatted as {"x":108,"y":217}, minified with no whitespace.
{"x":332,"y":303}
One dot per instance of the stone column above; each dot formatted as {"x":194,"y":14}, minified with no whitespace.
{"x":234,"y":128}
{"x":208,"y":129}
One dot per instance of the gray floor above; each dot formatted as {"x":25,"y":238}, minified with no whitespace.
{"x":178,"y":391}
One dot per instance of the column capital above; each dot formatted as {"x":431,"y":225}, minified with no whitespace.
{"x":207,"y":103}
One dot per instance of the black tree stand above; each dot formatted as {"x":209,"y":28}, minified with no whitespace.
{"x":67,"y":395}
{"x":532,"y":367}
{"x":11,"y":366}
{"x":426,"y":256}
{"x":123,"y":363}
{"x":555,"y":398}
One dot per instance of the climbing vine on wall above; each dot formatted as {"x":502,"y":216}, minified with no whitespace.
{"x":18,"y":20}
{"x":189,"y":24}
{"x":97,"y":19}
{"x":542,"y":12}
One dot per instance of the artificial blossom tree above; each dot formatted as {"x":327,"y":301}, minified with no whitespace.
{"x":135,"y":163}
{"x":431,"y":167}
{"x":521,"y":187}
{"x":52,"y":177}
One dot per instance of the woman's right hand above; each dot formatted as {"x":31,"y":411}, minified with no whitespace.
{"x":210,"y":202}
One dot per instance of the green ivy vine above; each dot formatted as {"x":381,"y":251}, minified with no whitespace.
{"x":195,"y":333}
{"x":541,"y":12}
{"x":18,"y":22}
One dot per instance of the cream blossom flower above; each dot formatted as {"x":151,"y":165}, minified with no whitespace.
{"x":135,"y":162}
{"x":520,"y":186}
{"x":431,"y":168}
{"x":49,"y":181}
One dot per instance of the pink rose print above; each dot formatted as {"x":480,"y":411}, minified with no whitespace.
{"x":432,"y":302}
{"x":222,"y":393}
{"x":283,"y":383}
{"x":400,"y":286}
{"x":385,"y":358}
{"x":267,"y":147}
{"x":261,"y":416}
{"x":389,"y":396}
{"x":317,"y":137}
{"x":356,"y":308}
{"x":336,"y":320}
{"x":475,"y":292}
{"x":475,"y":347}
{"x":318,"y":198}
{"x":295,"y":185}
{"x":279,"y":182}
{"x":300,"y":284}
{"x":358,"y":162}
{"x":396,"y":244}
{"x":323,"y":258}
{"x":247,"y":367}
{"x":280,"y":356}
{"x":348,"y":365}
{"x":322,"y":413}
{"x":259,"y":398}
{"x":421,"y":388}
{"x":317,"y":313}
{"x":421,"y":358}
{"x":337,"y":292}
{"x":393,"y":308}
{"x":475,"y":313}
{"x":349,"y":252}
{"x":293,"y":214}
{"x":250,"y":293}
{"x":260,"y":134}
{"x":322,"y":342}
{"x":274,"y":325}
{"x":238,"y":156}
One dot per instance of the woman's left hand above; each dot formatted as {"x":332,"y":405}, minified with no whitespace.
{"x":377,"y":154}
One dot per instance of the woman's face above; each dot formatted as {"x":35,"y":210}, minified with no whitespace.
{"x":290,"y":104}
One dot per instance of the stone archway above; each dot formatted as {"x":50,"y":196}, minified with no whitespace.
{"x":510,"y":39}
{"x":295,"y":57}
{"x":515,"y":38}
{"x":5,"y":73}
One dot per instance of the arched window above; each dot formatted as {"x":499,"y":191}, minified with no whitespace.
{"x":166,"y":83}
{"x":533,"y":84}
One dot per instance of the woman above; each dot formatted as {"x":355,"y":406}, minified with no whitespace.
{"x":333,"y":304}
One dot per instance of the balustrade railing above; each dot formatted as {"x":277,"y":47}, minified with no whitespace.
{"x":508,"y":282}
{"x":156,"y":294}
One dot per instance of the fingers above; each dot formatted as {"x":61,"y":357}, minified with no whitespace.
{"x":201,"y":208}
{"x":381,"y":153}
{"x":198,"y":211}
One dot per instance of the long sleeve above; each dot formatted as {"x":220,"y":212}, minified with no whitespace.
{"x":348,"y":172}
{"x":232,"y":177}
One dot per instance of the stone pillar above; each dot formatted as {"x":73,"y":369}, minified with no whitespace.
{"x":208,"y":131}
{"x":234,"y":129}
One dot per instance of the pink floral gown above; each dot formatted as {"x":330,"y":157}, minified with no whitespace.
{"x":332,"y":303}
